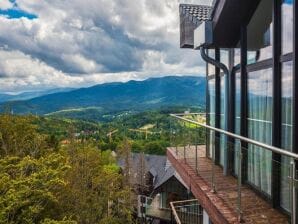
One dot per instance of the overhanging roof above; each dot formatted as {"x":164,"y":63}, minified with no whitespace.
{"x":227,"y":17}
{"x":191,"y":16}
{"x":196,"y":13}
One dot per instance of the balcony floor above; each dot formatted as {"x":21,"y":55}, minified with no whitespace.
{"x":222,"y":205}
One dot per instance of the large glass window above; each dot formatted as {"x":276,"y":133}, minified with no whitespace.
{"x":211,"y":112}
{"x":237,"y":56}
{"x":260,"y":128}
{"x":237,"y":119}
{"x":237,"y":102}
{"x":251,"y":57}
{"x":287,"y":95}
{"x":211,"y":68}
{"x":222,"y":121}
{"x":224,"y":58}
{"x":287,"y":26}
{"x":259,"y":30}
{"x":211,"y":103}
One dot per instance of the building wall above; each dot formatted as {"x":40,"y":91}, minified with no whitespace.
{"x":172,"y":190}
{"x":269,"y":102}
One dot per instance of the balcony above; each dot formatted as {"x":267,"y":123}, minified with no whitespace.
{"x":187,"y":212}
{"x":153,"y":209}
{"x":218,"y":183}
{"x":180,"y":212}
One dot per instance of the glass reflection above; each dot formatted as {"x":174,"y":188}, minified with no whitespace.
{"x":287,"y":26}
{"x":260,"y":128}
{"x":211,"y":95}
{"x":237,"y":120}
{"x":259,"y":30}
{"x":224,"y":57}
{"x":222,"y":121}
{"x":236,"y":56}
{"x":287,"y":97}
{"x":211,"y":68}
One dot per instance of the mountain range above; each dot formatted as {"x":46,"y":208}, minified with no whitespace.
{"x":153,"y":93}
{"x":4,"y":97}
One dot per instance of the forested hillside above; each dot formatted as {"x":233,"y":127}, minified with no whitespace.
{"x":109,"y":98}
{"x":42,"y":181}
{"x":64,"y":171}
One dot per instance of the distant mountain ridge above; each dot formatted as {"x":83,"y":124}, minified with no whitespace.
{"x":133,"y":95}
{"x":29,"y":95}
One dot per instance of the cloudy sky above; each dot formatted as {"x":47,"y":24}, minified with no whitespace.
{"x":71,"y":43}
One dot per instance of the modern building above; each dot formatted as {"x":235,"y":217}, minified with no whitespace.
{"x":247,"y":170}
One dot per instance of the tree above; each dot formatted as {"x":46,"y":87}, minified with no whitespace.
{"x":124,"y":153}
{"x":95,"y":186}
{"x":19,"y":137}
{"x":43,"y":183}
{"x":155,"y":147}
{"x":30,"y":188}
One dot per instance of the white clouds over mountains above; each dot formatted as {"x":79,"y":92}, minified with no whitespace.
{"x":84,"y":42}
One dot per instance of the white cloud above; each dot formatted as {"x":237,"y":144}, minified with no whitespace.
{"x":19,"y":71}
{"x":5,"y":4}
{"x":93,"y":41}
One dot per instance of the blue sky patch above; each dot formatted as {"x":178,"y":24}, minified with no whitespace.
{"x":15,"y":12}
{"x":290,"y":2}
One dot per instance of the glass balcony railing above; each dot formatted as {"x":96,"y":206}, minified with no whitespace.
{"x":246,"y":174}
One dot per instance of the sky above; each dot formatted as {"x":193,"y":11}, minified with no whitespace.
{"x":46,"y":44}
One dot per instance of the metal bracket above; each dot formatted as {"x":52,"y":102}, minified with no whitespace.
{"x":293,"y":181}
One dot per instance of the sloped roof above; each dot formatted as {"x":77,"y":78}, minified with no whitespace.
{"x":196,"y":13}
{"x":191,"y":16}
{"x":154,"y":164}
{"x":169,"y":172}
{"x":159,"y":167}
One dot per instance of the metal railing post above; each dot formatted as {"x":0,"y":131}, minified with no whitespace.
{"x":184,"y":150}
{"x":213,"y":190}
{"x":197,"y":136}
{"x":293,"y":192}
{"x":240,"y":157}
{"x":184,"y":142}
{"x":177,"y":141}
{"x":197,"y":169}
{"x":171,"y":134}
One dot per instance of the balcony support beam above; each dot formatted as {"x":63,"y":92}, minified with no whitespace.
{"x":295,"y":86}
{"x":277,"y":104}
{"x":244,"y":98}
{"x":239,"y":209}
{"x":231,"y":113}
{"x":217,"y":108}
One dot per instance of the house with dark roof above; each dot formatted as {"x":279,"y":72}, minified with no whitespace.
{"x":156,"y":183}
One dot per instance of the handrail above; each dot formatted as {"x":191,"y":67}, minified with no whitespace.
{"x":179,"y":204}
{"x":180,"y":114}
{"x":175,"y":213}
{"x":257,"y":143}
{"x":185,"y":201}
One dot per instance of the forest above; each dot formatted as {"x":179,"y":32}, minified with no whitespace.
{"x":58,"y":170}
{"x":44,"y":182}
